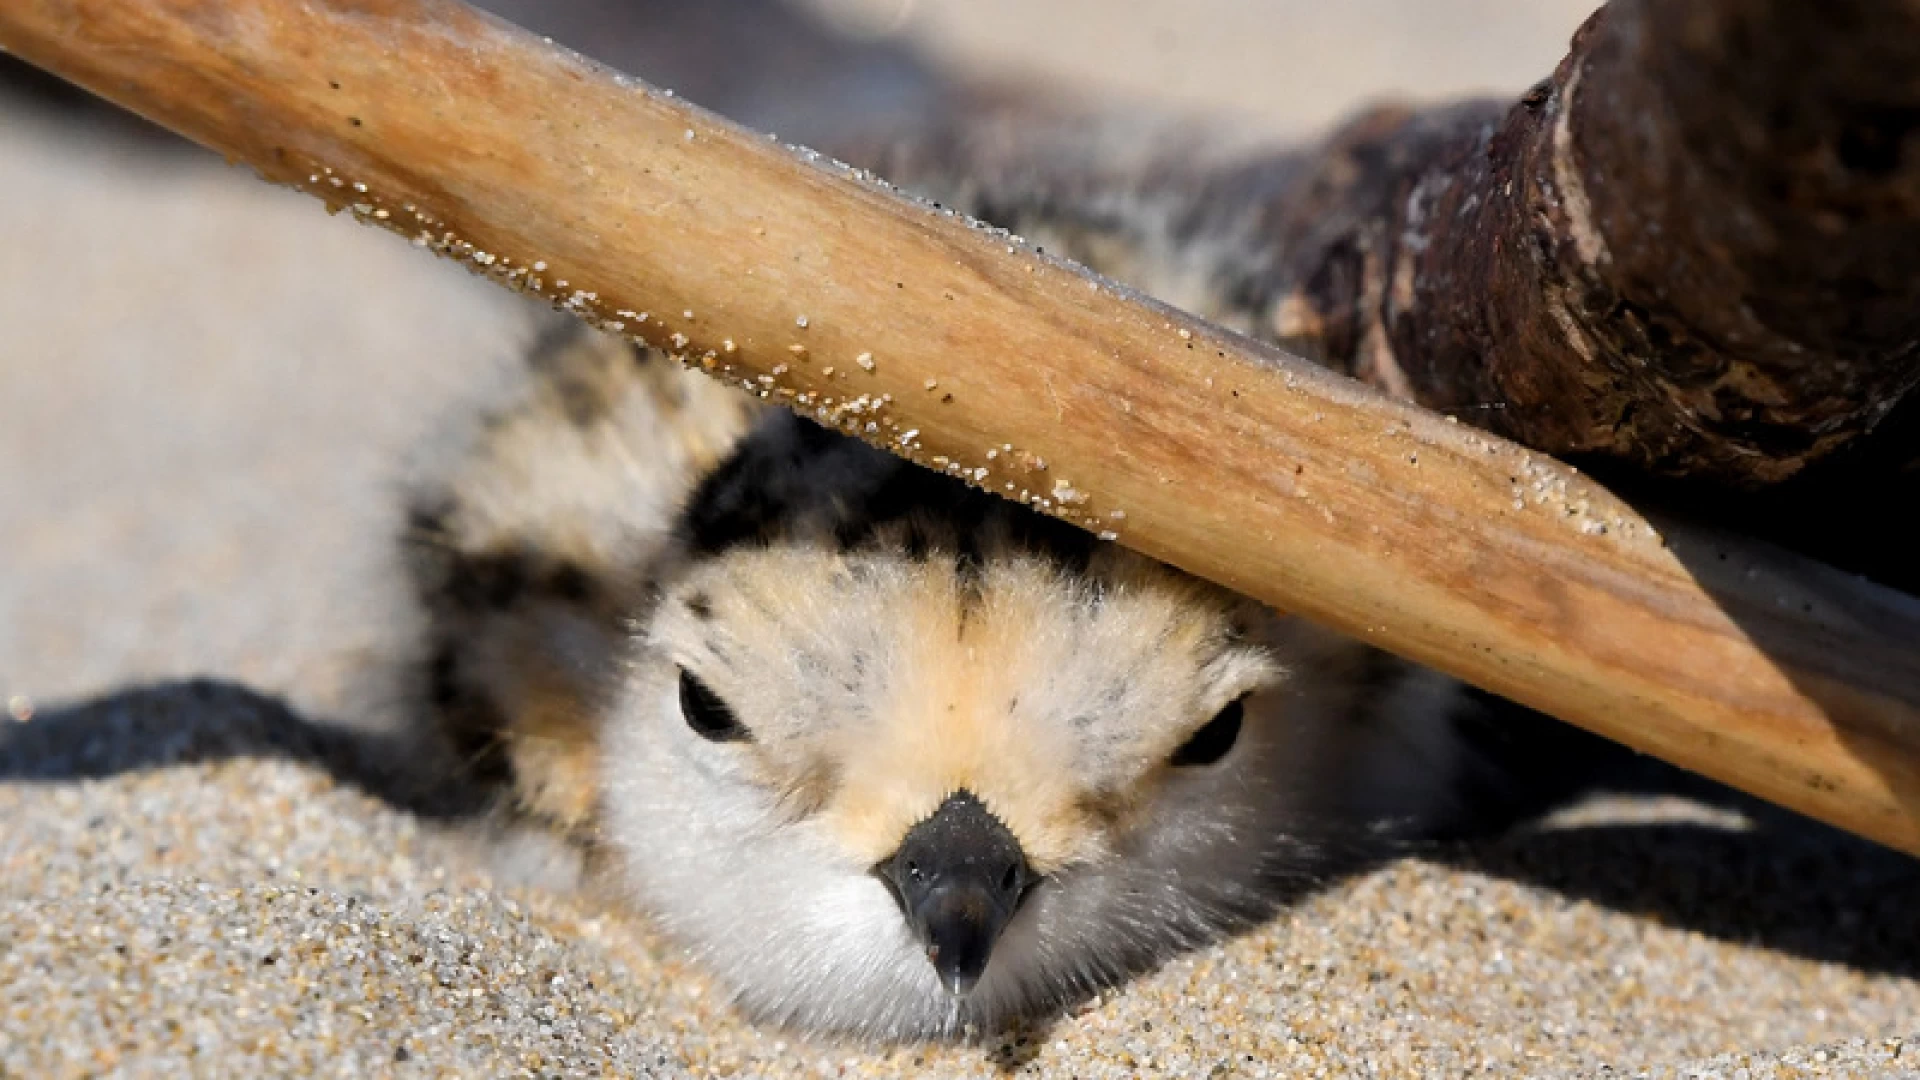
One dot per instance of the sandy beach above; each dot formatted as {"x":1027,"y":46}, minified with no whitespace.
{"x":208,"y":389}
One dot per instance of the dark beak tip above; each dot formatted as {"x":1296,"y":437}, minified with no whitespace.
{"x":960,"y":970}
{"x":959,"y":877}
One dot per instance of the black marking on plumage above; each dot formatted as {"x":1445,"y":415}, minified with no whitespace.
{"x":551,"y":345}
{"x":453,"y":586}
{"x":556,"y":359}
{"x":583,"y":403}
{"x":470,"y":721}
{"x":795,"y":481}
{"x":917,"y":540}
{"x":790,"y":477}
{"x":443,"y":674}
{"x":427,"y":518}
{"x":490,"y":581}
{"x":570,"y":583}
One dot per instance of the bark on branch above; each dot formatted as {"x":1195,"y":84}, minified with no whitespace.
{"x":1695,"y":250}
{"x":820,"y":287}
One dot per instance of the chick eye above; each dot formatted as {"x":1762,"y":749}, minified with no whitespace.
{"x":1213,"y":740}
{"x":706,"y":714}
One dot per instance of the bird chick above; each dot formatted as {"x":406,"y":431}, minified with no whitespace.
{"x":889,"y":755}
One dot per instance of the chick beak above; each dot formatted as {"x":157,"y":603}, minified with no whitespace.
{"x":959,"y":877}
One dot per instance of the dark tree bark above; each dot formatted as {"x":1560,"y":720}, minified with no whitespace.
{"x":1694,"y":251}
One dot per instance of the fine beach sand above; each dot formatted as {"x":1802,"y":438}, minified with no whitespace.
{"x":207,"y":388}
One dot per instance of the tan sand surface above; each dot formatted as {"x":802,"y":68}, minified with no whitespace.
{"x":206,"y":389}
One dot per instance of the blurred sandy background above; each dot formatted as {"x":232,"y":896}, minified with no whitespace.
{"x":1287,"y":67}
{"x":207,"y":388}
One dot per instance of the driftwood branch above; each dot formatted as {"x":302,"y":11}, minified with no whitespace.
{"x":822,"y":288}
{"x":1693,"y":251}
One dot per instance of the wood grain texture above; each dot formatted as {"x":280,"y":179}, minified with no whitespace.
{"x":968,"y":351}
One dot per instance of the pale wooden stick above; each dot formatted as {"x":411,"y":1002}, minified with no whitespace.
{"x":968,"y":351}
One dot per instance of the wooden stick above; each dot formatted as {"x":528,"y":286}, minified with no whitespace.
{"x":969,"y":352}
